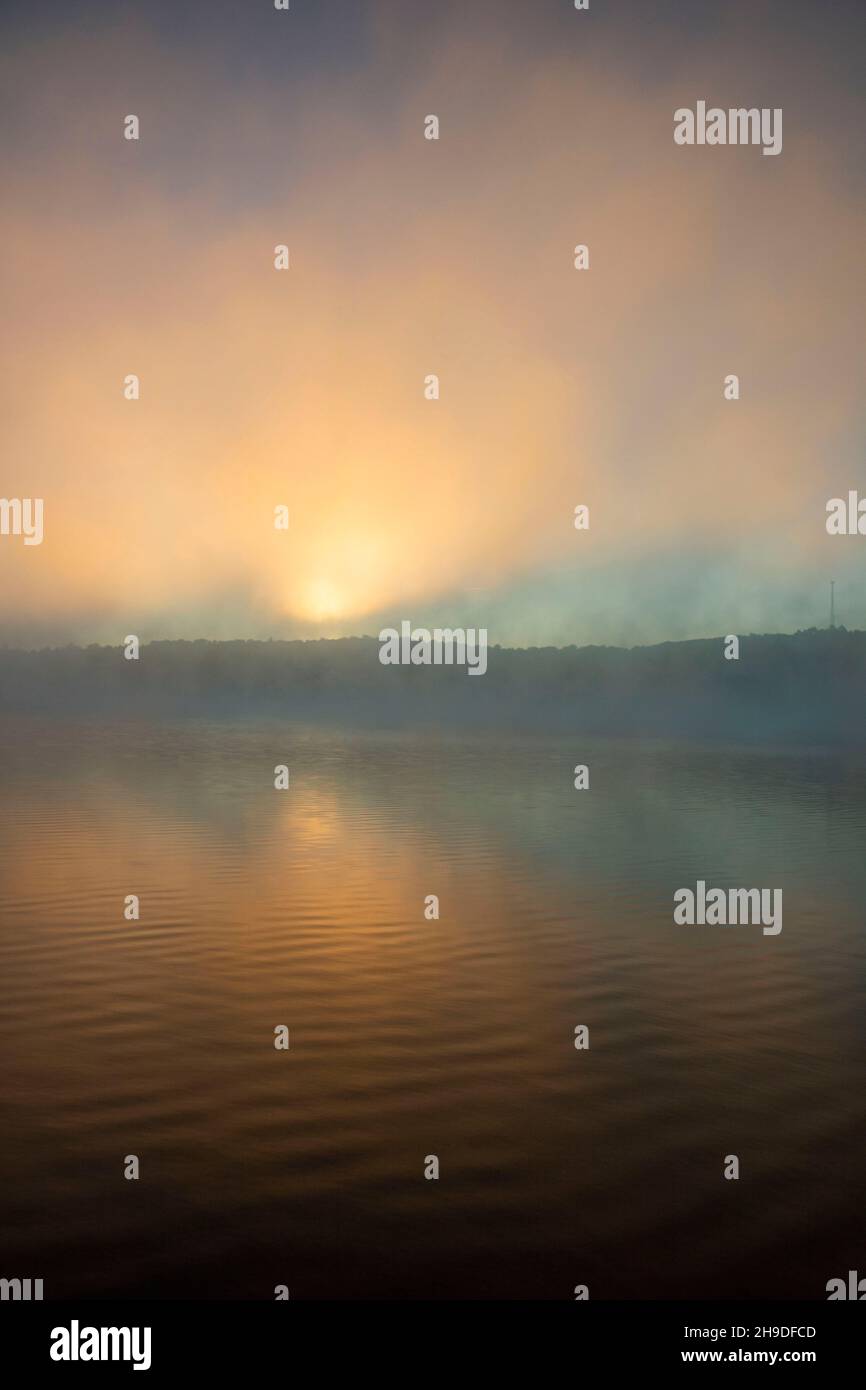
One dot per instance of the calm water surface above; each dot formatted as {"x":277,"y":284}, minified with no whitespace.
{"x":412,"y":1037}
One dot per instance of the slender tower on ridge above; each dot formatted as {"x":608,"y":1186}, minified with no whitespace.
{"x":832,"y":603}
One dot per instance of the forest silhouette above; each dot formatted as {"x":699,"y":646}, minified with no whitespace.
{"x":808,"y":685}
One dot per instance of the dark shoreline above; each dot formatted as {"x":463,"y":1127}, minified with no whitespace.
{"x":804,"y":687}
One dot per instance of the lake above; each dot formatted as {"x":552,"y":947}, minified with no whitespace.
{"x":412,"y":1037}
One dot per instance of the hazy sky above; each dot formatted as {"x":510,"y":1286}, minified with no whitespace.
{"x":410,"y":257}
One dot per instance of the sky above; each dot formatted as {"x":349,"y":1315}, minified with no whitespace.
{"x":409,"y":257}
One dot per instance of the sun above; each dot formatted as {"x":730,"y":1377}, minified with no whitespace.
{"x":323,"y":601}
